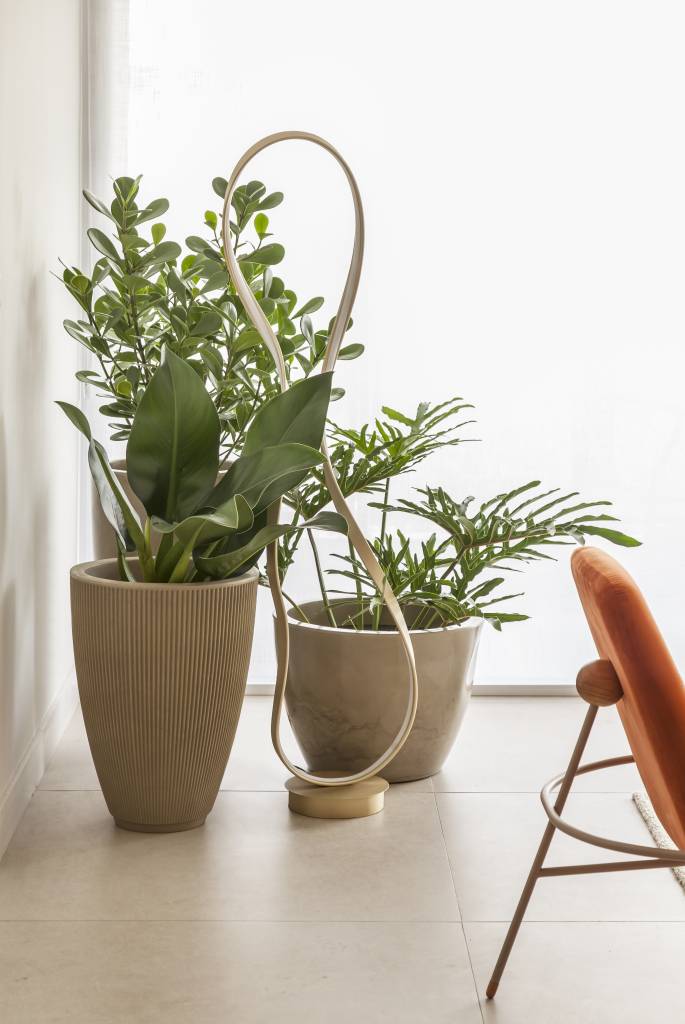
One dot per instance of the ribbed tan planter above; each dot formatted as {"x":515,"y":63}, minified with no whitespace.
{"x":346,"y":693}
{"x":161,"y":672}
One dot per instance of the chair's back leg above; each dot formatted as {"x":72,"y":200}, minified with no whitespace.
{"x":541,"y":854}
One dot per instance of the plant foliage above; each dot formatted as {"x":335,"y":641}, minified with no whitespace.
{"x":461,"y":569}
{"x":146,"y":295}
{"x":207,"y":528}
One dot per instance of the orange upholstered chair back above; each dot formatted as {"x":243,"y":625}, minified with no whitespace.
{"x":652,"y":708}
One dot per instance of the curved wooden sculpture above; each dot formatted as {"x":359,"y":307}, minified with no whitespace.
{"x":317,"y":806}
{"x":635,"y":672}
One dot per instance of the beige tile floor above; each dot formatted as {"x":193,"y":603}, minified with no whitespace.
{"x":263,"y":915}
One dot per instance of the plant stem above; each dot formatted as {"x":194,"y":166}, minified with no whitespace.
{"x":386,"y":497}
{"x":322,"y":586}
{"x":357,"y":578}
{"x":295,"y":605}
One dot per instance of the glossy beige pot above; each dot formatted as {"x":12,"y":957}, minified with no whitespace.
{"x":345,"y":697}
{"x":161,"y":672}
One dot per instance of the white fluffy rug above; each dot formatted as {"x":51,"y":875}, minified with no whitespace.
{"x":658,"y":832}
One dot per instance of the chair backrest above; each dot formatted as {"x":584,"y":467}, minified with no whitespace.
{"x":652,"y":708}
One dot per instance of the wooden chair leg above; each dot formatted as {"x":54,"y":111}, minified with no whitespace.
{"x":541,"y":854}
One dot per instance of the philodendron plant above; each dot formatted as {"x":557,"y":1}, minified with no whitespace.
{"x":145,"y":295}
{"x":468,"y":549}
{"x":208,"y":526}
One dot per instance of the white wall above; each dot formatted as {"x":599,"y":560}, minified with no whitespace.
{"x":39,"y":222}
{"x":522,"y":166}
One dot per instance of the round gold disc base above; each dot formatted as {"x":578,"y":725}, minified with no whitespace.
{"x":358,"y":800}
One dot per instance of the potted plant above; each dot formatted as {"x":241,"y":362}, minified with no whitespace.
{"x":162,"y":634}
{"x":345,"y":657}
{"x":145,"y":295}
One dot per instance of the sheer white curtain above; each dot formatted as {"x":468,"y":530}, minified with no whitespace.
{"x":528,"y":158}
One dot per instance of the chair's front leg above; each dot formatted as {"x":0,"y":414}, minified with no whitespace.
{"x":541,"y":854}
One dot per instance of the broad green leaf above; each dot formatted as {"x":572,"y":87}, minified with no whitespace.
{"x":234,"y":516}
{"x":165,"y":252}
{"x":310,"y":307}
{"x":267,"y":474}
{"x":117,"y":508}
{"x":273,"y":199}
{"x":351,"y":351}
{"x":103,"y":244}
{"x":261,"y":224}
{"x":298,"y":416}
{"x":267,"y":255}
{"x":158,"y":231}
{"x":226,"y":565}
{"x":172,"y":455}
{"x":96,"y":203}
{"x":152,"y":211}
{"x":209,"y":323}
{"x":197,"y":244}
{"x":78,"y":418}
{"x":220,"y":185}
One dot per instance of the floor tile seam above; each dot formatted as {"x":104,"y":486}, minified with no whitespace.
{"x":461,"y":919}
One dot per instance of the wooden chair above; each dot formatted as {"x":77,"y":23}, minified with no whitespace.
{"x":636,"y":673}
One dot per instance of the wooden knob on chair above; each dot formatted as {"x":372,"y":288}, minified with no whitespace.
{"x":598,"y":684}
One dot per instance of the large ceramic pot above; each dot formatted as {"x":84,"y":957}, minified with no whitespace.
{"x":104,"y":540}
{"x":346,"y":693}
{"x":161,"y":672}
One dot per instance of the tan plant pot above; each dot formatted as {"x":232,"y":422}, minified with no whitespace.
{"x":161,"y":672}
{"x":347,"y":692}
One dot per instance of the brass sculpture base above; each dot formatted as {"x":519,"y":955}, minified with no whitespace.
{"x":358,"y":800}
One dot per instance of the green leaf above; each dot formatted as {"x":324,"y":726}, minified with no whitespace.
{"x":234,"y":516}
{"x":220,"y":185}
{"x":172,"y":455}
{"x":158,"y":231}
{"x":267,"y":474}
{"x":226,"y":565}
{"x":103,"y":244}
{"x":209,"y":323}
{"x":298,"y":416}
{"x":261,"y":224}
{"x":274,"y":199}
{"x":117,"y":508}
{"x":197,"y":244}
{"x":310,"y":307}
{"x":97,"y":204}
{"x":78,"y":418}
{"x":163,"y":253}
{"x":124,"y":568}
{"x":615,"y":536}
{"x":267,"y":255}
{"x":351,"y":351}
{"x":152,"y":211}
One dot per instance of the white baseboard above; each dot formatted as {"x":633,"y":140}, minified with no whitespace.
{"x":479,"y":690}
{"x":29,"y":771}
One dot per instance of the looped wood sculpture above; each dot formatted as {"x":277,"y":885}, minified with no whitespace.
{"x":360,"y":793}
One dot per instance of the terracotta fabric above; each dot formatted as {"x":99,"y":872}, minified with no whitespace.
{"x":652,"y":708}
